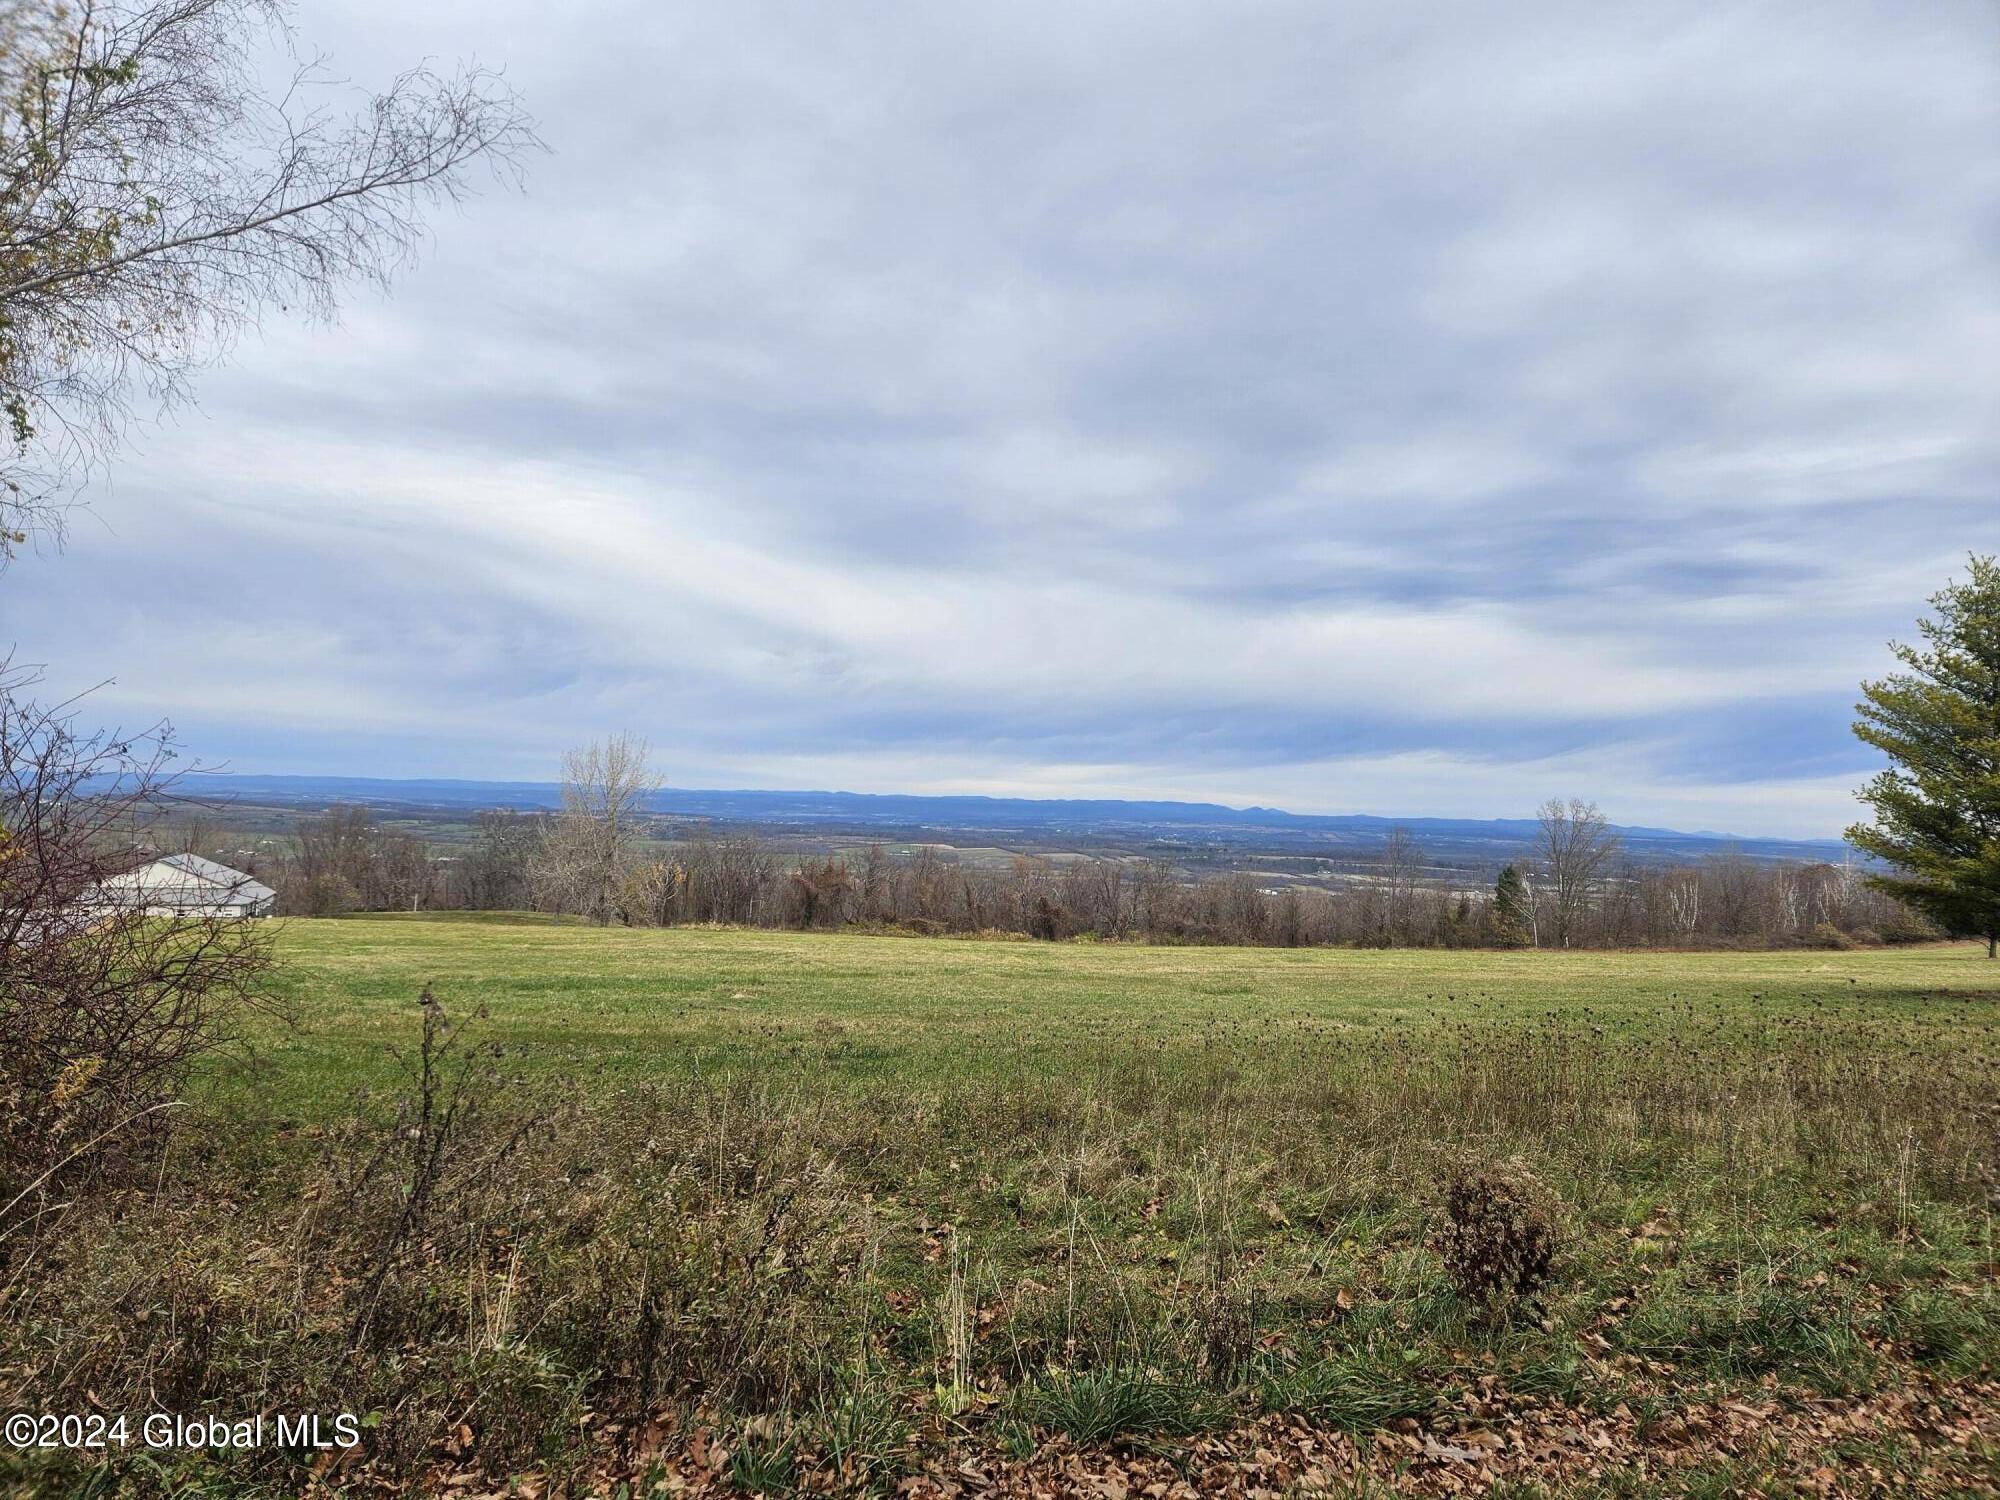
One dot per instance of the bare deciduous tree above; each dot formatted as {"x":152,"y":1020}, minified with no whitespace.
{"x":1683,"y":892}
{"x":1576,"y":840}
{"x":156,"y":195}
{"x":586,"y":853}
{"x":1401,"y":864}
{"x":495,"y":873}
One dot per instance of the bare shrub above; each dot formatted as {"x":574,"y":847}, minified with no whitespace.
{"x":318,"y":896}
{"x":1226,"y":1319}
{"x":104,"y":1008}
{"x":820,"y":893}
{"x":1500,"y":1235}
{"x":431,"y":1166}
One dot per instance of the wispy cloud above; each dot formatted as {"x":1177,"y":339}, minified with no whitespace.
{"x":1373,"y":407}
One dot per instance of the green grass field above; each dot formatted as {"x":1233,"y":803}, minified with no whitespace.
{"x":638,"y":1002}
{"x":766,"y":1212}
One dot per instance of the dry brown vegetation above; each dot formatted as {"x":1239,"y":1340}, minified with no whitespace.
{"x":104,"y":1012}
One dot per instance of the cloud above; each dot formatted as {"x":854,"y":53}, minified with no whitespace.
{"x":1370,"y":407}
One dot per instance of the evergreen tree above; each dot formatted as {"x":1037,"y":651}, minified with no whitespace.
{"x":1510,"y":909}
{"x":1937,"y":808}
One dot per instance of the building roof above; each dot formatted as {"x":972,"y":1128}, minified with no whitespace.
{"x":189,"y":880}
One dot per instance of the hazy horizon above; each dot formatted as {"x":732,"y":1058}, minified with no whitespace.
{"x":551,"y":785}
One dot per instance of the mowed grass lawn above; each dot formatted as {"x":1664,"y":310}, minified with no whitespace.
{"x":579,"y":1000}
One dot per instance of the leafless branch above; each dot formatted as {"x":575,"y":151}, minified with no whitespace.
{"x":156,"y":197}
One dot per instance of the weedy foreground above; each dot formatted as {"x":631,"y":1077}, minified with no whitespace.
{"x":737,"y":1212}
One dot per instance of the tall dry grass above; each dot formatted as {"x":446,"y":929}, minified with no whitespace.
{"x":507,"y":1276}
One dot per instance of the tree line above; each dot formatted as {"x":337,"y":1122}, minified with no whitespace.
{"x":601,"y":859}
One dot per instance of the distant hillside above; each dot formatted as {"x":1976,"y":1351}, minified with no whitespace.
{"x":1003,"y":820}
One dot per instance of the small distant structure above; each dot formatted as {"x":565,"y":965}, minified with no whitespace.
{"x":185,"y":885}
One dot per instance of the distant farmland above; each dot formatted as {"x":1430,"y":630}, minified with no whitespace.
{"x":1197,"y":835}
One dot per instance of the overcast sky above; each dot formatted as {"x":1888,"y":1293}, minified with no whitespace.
{"x":1400,"y":408}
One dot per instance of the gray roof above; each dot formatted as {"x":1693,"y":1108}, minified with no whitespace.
{"x":188,"y":880}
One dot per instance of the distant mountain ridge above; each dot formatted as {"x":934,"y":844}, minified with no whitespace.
{"x":865,"y":813}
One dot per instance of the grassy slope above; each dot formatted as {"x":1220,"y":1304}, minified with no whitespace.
{"x":576,"y":999}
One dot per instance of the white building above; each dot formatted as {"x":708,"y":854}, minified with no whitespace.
{"x":186,"y":885}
